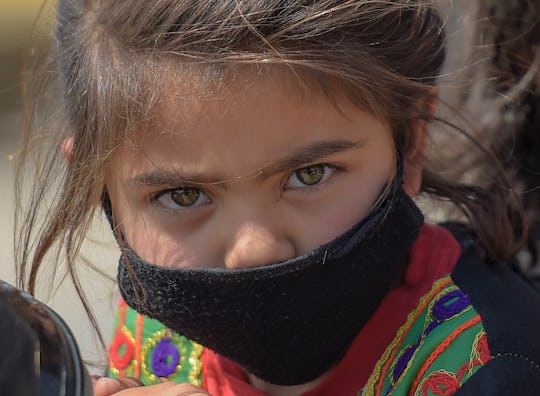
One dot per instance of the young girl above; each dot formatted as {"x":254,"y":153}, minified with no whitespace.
{"x":256,"y":161}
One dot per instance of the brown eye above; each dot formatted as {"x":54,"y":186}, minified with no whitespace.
{"x":310,"y":175}
{"x":183,"y":198}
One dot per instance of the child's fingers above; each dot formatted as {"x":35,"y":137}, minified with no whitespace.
{"x":165,"y":389}
{"x":104,"y":386}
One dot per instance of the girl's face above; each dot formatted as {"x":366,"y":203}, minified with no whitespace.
{"x":255,"y":176}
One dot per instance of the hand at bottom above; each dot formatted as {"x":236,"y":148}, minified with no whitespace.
{"x":132,"y":387}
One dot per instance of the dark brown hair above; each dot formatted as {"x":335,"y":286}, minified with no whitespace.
{"x":112,"y":60}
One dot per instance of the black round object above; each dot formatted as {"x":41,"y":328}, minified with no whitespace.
{"x":38,"y":353}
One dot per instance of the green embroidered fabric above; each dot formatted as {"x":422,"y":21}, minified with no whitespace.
{"x":441,"y":345}
{"x":145,"y":349}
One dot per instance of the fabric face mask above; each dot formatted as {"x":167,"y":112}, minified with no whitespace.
{"x":290,"y":322}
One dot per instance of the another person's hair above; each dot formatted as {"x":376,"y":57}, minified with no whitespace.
{"x":501,"y":40}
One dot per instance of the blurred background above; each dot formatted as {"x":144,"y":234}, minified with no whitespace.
{"x":491,"y":77}
{"x":19,"y":33}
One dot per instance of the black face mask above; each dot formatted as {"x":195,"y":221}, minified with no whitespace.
{"x":290,"y":322}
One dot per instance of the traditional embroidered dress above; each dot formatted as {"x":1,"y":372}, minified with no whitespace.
{"x":446,"y":330}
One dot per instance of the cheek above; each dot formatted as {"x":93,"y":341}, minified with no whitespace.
{"x":352,"y":208}
{"x":149,"y":239}
{"x":351,"y":204}
{"x":157,"y":247}
{"x":349,"y":207}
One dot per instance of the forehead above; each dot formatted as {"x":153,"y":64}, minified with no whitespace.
{"x":251,"y":99}
{"x":204,"y":83}
{"x":241,"y":124}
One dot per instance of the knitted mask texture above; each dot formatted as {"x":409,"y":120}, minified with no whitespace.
{"x":289,"y":322}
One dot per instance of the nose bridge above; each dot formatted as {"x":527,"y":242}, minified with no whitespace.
{"x":258,"y":237}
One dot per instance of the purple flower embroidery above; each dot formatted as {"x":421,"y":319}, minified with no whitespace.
{"x":165,"y":358}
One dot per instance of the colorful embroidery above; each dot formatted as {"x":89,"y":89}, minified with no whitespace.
{"x":388,"y":355}
{"x":440,"y":383}
{"x":121,"y":351}
{"x":166,"y":354}
{"x":165,"y":359}
{"x":439,"y":347}
{"x":445,"y":383}
{"x":145,"y":349}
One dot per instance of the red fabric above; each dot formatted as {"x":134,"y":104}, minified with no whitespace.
{"x":433,"y":255}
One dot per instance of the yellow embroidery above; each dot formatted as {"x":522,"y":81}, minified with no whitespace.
{"x":194,"y":374}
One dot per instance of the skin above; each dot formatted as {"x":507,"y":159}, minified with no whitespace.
{"x":242,"y":158}
{"x":132,"y":387}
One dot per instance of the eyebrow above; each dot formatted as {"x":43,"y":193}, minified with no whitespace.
{"x":303,"y":156}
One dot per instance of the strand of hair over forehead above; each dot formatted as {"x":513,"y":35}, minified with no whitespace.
{"x":192,"y":23}
{"x":106,"y":74}
{"x":259,"y":32}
